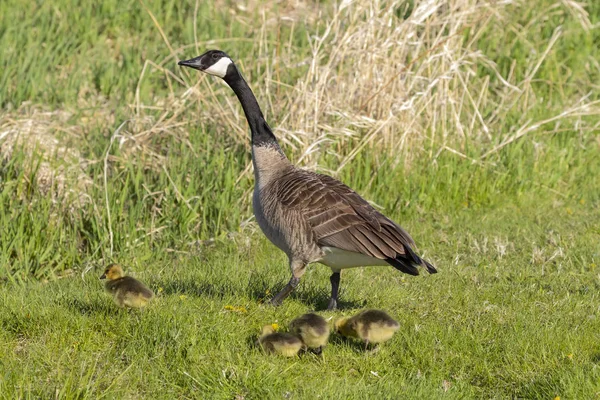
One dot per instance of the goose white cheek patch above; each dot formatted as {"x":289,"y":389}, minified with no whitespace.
{"x":219,"y":68}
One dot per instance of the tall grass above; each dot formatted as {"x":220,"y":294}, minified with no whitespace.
{"x":452,"y":102}
{"x":415,"y":80}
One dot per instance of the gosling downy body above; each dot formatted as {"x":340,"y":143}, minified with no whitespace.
{"x":369,"y":326}
{"x":312,"y":329}
{"x":273,"y":342}
{"x":311,"y":217}
{"x":126,"y":291}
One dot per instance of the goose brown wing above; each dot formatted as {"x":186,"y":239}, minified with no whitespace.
{"x":340,"y":218}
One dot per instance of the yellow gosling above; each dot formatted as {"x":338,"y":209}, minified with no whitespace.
{"x":369,"y":326}
{"x":312,"y":329}
{"x":126,"y":291}
{"x":278,"y":343}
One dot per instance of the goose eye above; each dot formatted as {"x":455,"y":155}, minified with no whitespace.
{"x":215,"y":56}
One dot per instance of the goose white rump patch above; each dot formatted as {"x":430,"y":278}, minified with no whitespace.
{"x":219,"y":68}
{"x":338,"y":259}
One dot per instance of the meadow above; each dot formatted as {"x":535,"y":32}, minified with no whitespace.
{"x":474,"y":124}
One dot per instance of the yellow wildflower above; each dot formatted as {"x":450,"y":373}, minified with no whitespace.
{"x":236,"y":309}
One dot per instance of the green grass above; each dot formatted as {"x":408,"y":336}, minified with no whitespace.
{"x":516,"y":296}
{"x":512,"y":313}
{"x":519,"y":322}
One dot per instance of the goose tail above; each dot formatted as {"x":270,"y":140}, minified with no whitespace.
{"x":409,"y":262}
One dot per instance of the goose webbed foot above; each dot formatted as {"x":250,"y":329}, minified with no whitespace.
{"x":285,"y":292}
{"x":332,"y":305}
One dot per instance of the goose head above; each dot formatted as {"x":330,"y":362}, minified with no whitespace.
{"x":213,"y":62}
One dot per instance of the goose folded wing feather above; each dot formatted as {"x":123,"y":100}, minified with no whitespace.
{"x":340,"y":218}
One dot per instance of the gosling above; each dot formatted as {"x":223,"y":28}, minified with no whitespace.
{"x":312,"y":329}
{"x":273,"y":342}
{"x":369,"y":326}
{"x":126,"y":291}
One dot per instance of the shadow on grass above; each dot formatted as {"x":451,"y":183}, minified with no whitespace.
{"x":252,"y":343}
{"x":542,"y":386}
{"x":595,"y":358}
{"x":339,"y":340}
{"x":92,"y":307}
{"x":260,"y":288}
{"x":21,"y":325}
{"x":318,"y":300}
{"x":195,"y":288}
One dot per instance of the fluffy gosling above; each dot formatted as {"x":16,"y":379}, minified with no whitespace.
{"x":370,"y":326}
{"x":279,"y":343}
{"x":126,"y":291}
{"x":312,"y":329}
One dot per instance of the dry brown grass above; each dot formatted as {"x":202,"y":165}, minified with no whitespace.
{"x":371,"y":79}
{"x":375,"y":80}
{"x":47,"y":134}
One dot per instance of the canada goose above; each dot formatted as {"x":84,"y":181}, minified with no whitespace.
{"x":276,"y":342}
{"x":126,"y":291}
{"x":310,"y":216}
{"x":370,"y":326}
{"x":312,"y":329}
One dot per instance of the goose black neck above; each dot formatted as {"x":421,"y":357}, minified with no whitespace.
{"x":261,"y":132}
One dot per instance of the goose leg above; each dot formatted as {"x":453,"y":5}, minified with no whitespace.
{"x":335,"y":285}
{"x":298,"y":268}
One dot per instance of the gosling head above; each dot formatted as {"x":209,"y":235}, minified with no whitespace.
{"x":339,"y":325}
{"x":345,"y":327}
{"x":213,"y":62}
{"x":112,"y":272}
{"x":268,"y":329}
